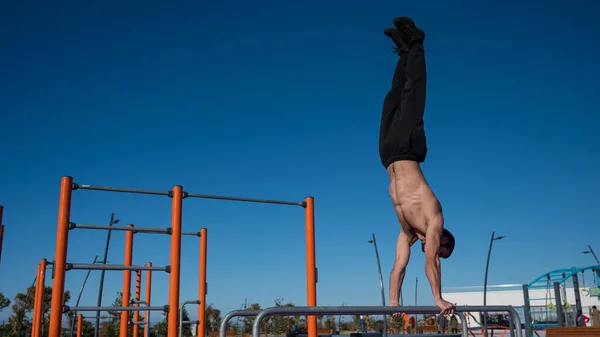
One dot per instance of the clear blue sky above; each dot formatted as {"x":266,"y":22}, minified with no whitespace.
{"x":282,"y":100}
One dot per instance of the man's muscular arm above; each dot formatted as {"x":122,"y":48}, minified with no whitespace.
{"x":399,"y":270}
{"x":433,"y":265}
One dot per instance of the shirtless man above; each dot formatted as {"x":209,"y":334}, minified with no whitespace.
{"x":402,"y":147}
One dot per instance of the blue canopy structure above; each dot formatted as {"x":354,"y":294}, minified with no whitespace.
{"x":560,"y":276}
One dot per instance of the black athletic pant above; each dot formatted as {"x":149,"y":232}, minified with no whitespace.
{"x":402,"y":133}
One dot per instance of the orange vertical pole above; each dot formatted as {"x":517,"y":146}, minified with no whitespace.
{"x":138,"y":290}
{"x":1,"y":231}
{"x":174,"y":278}
{"x":39,"y":299}
{"x":202,"y":284}
{"x":60,"y":257}
{"x":148,"y":294}
{"x":35,"y":301}
{"x":311,"y":268}
{"x":79,"y":324}
{"x":126,"y":282}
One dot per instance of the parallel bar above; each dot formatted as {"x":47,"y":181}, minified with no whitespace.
{"x":375,"y":310}
{"x":190,"y":322}
{"x":116,"y":189}
{"x":232,"y":314}
{"x":73,"y":225}
{"x":67,"y":308}
{"x":191,"y":233}
{"x":181,"y":307}
{"x":89,"y":266}
{"x":262,"y":201}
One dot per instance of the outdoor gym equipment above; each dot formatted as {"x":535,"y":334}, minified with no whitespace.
{"x":515,"y":320}
{"x":177,"y":195}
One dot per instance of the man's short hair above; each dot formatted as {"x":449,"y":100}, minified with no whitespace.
{"x":446,"y":241}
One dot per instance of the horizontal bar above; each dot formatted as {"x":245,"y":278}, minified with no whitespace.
{"x":67,"y":308}
{"x":115,"y":189}
{"x":140,"y":323}
{"x":190,"y":322}
{"x":191,"y":233}
{"x":93,"y":266}
{"x":372,"y":310}
{"x":101,"y":317}
{"x":264,"y":201}
{"x":73,"y":225}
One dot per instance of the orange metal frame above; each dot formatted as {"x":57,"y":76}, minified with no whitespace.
{"x":202,"y":284}
{"x":148,"y":295}
{"x":38,"y":299}
{"x":177,"y":195}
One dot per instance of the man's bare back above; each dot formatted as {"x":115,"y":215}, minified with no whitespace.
{"x":402,"y":148}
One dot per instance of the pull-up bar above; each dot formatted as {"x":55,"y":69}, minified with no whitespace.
{"x":66,"y":308}
{"x":185,"y":195}
{"x":119,"y":267}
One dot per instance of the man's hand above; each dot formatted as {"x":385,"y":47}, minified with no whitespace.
{"x":446,"y":307}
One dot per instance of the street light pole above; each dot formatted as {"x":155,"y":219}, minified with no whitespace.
{"x":591,"y":251}
{"x":487,"y":265}
{"x":374,"y":242}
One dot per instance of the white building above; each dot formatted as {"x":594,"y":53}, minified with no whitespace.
{"x":542,"y":301}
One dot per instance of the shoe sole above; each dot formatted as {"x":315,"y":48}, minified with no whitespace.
{"x":396,"y":36}
{"x":407,"y":26}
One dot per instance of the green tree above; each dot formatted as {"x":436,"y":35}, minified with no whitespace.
{"x":247,"y":321}
{"x":23,"y":304}
{"x":4,"y":301}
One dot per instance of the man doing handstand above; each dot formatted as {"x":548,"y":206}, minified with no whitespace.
{"x":402,"y":147}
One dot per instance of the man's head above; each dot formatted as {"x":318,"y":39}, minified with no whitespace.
{"x":446,"y":245}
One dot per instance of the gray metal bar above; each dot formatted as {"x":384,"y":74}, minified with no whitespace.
{"x":67,"y":308}
{"x":559,"y":308}
{"x":89,"y":266}
{"x":116,"y":189}
{"x":263,"y":201}
{"x":97,"y":317}
{"x":421,"y":335}
{"x":232,"y":314}
{"x":149,"y":230}
{"x":79,"y":296}
{"x":139,"y":323}
{"x":190,"y":322}
{"x":511,"y":327}
{"x":191,"y":233}
{"x":374,"y":310}
{"x":102,"y":273}
{"x":527,"y":312}
{"x":578,"y":309}
{"x":181,"y":306}
{"x":463,"y":321}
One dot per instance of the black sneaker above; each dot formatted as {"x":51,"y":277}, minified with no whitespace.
{"x":401,"y":45}
{"x":409,"y":30}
